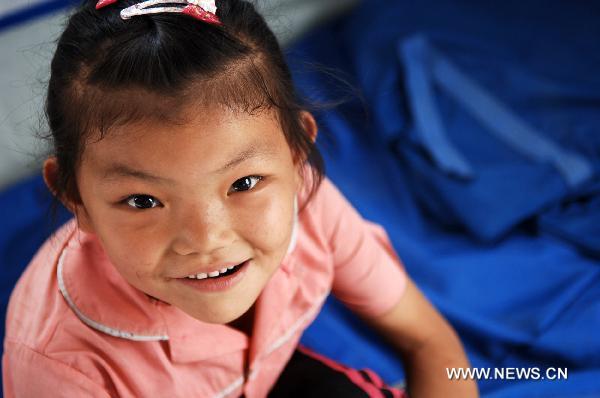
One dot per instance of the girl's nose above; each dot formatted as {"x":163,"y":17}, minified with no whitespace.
{"x":202,"y":232}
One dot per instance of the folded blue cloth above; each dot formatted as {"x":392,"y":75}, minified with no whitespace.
{"x":493,"y":131}
{"x":576,"y":220}
{"x":500,"y":170}
{"x":528,"y":298}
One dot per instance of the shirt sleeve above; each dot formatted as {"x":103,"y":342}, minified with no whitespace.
{"x":27,"y":373}
{"x":369,"y":278}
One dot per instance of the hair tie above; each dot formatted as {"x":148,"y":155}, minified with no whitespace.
{"x":203,"y":10}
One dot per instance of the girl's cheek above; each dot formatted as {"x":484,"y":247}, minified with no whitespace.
{"x":136,"y":261}
{"x":269,"y":223}
{"x":133,"y":230}
{"x":128,"y":217}
{"x":129,"y":238}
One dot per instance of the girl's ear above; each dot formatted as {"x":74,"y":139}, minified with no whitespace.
{"x":310,"y":125}
{"x":50,"y":173}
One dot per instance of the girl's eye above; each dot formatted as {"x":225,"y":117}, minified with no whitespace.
{"x":245,"y":184}
{"x":142,"y":202}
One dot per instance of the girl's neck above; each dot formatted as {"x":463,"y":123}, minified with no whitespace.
{"x":245,"y":322}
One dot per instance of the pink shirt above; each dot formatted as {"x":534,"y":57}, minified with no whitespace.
{"x":75,"y":328}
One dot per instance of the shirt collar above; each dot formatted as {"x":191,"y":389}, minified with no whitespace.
{"x":98,"y":294}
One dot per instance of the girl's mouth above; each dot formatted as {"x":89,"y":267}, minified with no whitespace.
{"x":218,"y":280}
{"x":217,"y":274}
{"x":230,"y":271}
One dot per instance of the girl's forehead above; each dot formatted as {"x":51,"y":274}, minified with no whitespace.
{"x":196,"y":121}
{"x":130,"y":109}
{"x":206,"y":136}
{"x":185,"y":168}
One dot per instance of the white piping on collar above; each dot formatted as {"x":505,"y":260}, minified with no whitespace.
{"x":288,"y":334}
{"x":294,"y":237}
{"x":294,"y":328}
{"x":281,"y":340}
{"x":90,"y":322}
{"x":239,"y":382}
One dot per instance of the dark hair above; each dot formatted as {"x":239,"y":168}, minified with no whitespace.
{"x":173,"y":59}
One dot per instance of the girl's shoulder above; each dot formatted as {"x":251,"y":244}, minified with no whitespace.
{"x":325,"y":206}
{"x":45,"y":338}
{"x":36,"y":306}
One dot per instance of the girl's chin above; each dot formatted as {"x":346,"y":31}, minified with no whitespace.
{"x":219,"y":315}
{"x":221,"y":319}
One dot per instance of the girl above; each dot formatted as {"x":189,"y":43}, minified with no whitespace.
{"x":205,"y":238}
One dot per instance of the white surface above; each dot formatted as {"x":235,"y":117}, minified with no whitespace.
{"x":26,"y":52}
{"x":10,"y":6}
{"x":24,"y":63}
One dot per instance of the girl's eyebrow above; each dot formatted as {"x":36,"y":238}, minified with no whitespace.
{"x":253,"y":151}
{"x":117,"y":170}
{"x":120,"y":170}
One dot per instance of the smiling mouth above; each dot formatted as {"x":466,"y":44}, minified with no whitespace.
{"x":217,"y":274}
{"x":232,"y":271}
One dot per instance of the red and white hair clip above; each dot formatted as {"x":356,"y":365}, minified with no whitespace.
{"x":203,"y":10}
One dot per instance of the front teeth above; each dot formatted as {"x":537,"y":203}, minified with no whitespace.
{"x":213,"y":274}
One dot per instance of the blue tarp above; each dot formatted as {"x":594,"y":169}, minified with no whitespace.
{"x":495,"y":209}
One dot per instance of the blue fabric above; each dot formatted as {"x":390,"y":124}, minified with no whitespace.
{"x":516,"y":174}
{"x":418,"y":60}
{"x":526,"y":291}
{"x":577,"y":220}
{"x":514,"y":104}
{"x":424,"y":66}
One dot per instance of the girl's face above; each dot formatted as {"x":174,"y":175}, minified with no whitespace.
{"x":172,"y":201}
